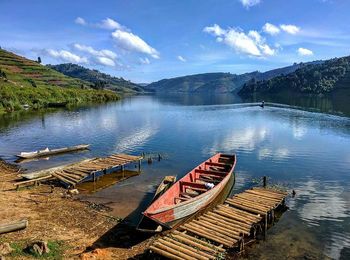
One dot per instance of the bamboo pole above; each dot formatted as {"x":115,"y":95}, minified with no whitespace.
{"x":210,"y":230}
{"x":182,"y":249}
{"x":239,"y":213}
{"x":258,"y":199}
{"x":202,"y":255}
{"x":243,"y":212}
{"x":250,"y":204}
{"x":241,"y":218}
{"x":173,"y":251}
{"x":229,"y":220}
{"x":192,"y":243}
{"x":226,"y":224}
{"x":208,"y":235}
{"x":198,"y":241}
{"x":164,"y":253}
{"x":63,"y":179}
{"x":249,"y":209}
{"x":264,"y":194}
{"x":232,"y":216}
{"x":271,"y":190}
{"x":14,"y":226}
{"x":217,"y":228}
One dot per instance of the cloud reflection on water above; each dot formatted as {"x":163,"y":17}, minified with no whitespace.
{"x":320,"y":203}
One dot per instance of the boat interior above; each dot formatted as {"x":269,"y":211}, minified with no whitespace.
{"x":201,"y":179}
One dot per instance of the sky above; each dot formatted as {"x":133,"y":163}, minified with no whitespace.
{"x":148,"y":40}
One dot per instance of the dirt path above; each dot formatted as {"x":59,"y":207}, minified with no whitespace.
{"x":55,"y":216}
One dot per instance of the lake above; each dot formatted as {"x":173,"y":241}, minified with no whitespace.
{"x":300,"y":147}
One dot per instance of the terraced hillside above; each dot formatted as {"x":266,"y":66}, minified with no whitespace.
{"x":26,"y":82}
{"x":97,"y":78}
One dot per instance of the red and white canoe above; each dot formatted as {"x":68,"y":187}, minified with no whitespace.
{"x":192,"y":193}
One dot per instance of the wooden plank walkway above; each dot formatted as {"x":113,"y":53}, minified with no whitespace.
{"x":225,"y":227}
{"x":89,"y":169}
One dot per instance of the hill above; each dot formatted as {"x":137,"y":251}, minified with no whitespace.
{"x":26,"y":82}
{"x":215,"y":82}
{"x":313,"y":78}
{"x":97,"y":78}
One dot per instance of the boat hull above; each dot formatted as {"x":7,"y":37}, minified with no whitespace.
{"x":170,"y":214}
{"x":53,"y":152}
{"x":220,"y":198}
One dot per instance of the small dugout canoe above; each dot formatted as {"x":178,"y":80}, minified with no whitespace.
{"x":147,"y":225}
{"x":194,"y":192}
{"x":48,"y":152}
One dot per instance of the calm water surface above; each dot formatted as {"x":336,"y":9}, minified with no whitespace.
{"x":303,"y":150}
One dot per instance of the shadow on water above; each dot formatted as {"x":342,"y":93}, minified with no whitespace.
{"x":124,"y":234}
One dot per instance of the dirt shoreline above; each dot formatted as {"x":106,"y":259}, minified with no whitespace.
{"x":85,"y":230}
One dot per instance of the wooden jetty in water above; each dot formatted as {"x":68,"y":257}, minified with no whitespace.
{"x":226,"y":228}
{"x":90,"y":169}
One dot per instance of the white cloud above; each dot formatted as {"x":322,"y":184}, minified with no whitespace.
{"x":289,"y":28}
{"x":80,"y":21}
{"x":267,"y":50}
{"x":215,"y":30}
{"x":305,"y":52}
{"x":249,"y":3}
{"x":252,"y":44}
{"x":144,"y":60}
{"x":102,"y":53}
{"x":66,"y":56}
{"x":105,"y":61}
{"x":131,"y":42}
{"x":110,"y":24}
{"x":271,"y":29}
{"x":180,"y":58}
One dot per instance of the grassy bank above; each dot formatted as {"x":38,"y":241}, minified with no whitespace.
{"x":26,"y":82}
{"x":13,"y":98}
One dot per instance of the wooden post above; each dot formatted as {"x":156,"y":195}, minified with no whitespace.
{"x":94,"y":176}
{"x":139,"y":165}
{"x":264,"y":181}
{"x":122,"y":168}
{"x":265,"y":228}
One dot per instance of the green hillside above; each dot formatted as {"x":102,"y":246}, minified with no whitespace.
{"x":215,"y":82}
{"x":329,"y":76}
{"x":97,"y":78}
{"x":212,"y":82}
{"x":26,"y":82}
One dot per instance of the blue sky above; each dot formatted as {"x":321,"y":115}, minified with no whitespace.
{"x":145,"y":40}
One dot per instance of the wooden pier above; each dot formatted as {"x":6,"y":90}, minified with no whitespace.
{"x":89,"y":169}
{"x":225,"y":228}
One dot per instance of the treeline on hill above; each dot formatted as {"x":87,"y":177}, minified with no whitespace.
{"x":217,"y":82}
{"x":314,"y":78}
{"x":25,"y":82}
{"x":98,"y":79}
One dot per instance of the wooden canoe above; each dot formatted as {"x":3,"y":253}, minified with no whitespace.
{"x":147,"y":225}
{"x":194,"y":192}
{"x":47,"y":151}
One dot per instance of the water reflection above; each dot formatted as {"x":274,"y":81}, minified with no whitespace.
{"x":325,"y":206}
{"x":308,"y":151}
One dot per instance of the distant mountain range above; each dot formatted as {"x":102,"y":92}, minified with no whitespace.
{"x":216,"y":82}
{"x":314,"y":78}
{"x":98,"y":79}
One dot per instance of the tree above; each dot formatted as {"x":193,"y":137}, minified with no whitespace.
{"x":39,"y":60}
